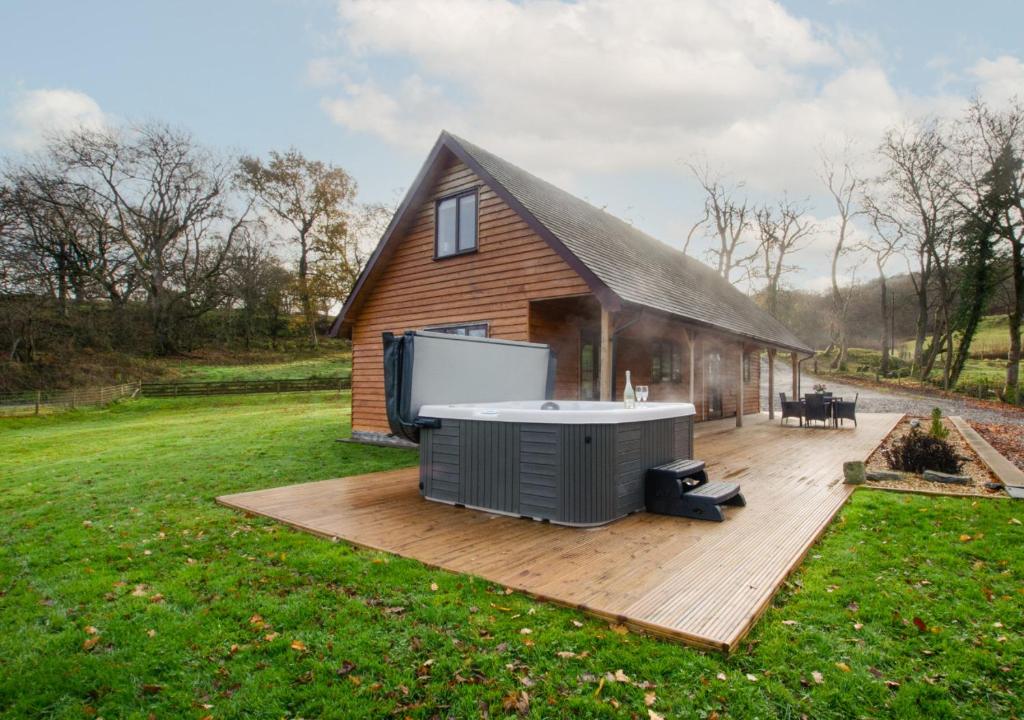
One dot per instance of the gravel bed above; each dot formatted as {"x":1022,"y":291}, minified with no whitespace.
{"x":972,"y":468}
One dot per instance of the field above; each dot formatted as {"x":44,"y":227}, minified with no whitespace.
{"x":88,"y":368}
{"x":126,"y":592}
{"x":328,"y":362}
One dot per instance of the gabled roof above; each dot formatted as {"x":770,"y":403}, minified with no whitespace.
{"x":621,"y":264}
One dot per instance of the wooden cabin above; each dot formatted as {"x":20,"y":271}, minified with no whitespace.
{"x":481,"y":247}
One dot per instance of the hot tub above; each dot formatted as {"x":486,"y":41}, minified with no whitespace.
{"x":580,"y":464}
{"x":491,"y":438}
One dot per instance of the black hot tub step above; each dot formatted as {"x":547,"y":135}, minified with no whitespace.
{"x":679,"y":470}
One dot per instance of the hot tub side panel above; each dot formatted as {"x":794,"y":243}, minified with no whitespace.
{"x":570,"y":474}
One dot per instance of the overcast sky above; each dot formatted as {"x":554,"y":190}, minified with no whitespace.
{"x":608,"y":99}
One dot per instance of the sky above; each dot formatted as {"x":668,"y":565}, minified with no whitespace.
{"x":610,"y":99}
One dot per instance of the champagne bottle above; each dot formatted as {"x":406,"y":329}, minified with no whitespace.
{"x":628,"y":395}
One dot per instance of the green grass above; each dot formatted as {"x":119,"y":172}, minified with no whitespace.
{"x":980,"y":377}
{"x":328,"y":363}
{"x":990,"y":339}
{"x":109,"y":523}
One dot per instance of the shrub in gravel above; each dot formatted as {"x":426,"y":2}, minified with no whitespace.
{"x":916,"y":452}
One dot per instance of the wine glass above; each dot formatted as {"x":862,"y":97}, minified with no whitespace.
{"x":641,"y":393}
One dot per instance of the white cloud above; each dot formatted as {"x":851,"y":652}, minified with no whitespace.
{"x":999,"y":80}
{"x":613,"y":87}
{"x":602,"y":86}
{"x":38,"y":113}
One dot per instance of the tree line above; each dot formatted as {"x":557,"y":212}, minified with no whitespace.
{"x":946,"y":208}
{"x":139,"y":238}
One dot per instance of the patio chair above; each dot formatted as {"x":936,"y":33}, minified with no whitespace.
{"x":846,"y":410}
{"x":790,"y":408}
{"x":815,"y":408}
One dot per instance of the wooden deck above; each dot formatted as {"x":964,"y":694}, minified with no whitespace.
{"x":703,"y":583}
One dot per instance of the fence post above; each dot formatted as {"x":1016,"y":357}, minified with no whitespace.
{"x":39,"y":394}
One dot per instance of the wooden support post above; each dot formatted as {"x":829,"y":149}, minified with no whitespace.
{"x":796,"y":375}
{"x":739,"y":390}
{"x":691,"y":339}
{"x":605,"y":370}
{"x":39,"y":397}
{"x":771,"y":383}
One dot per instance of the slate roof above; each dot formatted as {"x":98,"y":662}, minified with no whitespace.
{"x":617,"y":260}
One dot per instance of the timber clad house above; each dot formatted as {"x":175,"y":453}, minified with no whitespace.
{"x":482,"y":247}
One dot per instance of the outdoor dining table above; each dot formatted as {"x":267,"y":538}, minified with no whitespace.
{"x":830,"y":402}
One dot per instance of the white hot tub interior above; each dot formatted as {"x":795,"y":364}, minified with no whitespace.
{"x":572,"y":412}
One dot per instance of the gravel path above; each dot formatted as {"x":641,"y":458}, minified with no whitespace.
{"x":876,"y":400}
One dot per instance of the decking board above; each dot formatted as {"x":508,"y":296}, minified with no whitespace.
{"x":699,"y":582}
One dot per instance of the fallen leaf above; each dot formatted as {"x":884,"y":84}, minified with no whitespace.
{"x":151,"y":632}
{"x":621,"y":676}
{"x":347,"y":666}
{"x":140,"y":590}
{"x":577,"y":623}
{"x":721,"y":676}
{"x":600,"y":686}
{"x":751,"y":678}
{"x":843,"y":666}
{"x":790,"y":622}
{"x":152,"y":689}
{"x":619,"y":629}
{"x":858,"y":626}
{"x":817,"y":677}
{"x":965,"y":538}
{"x":520,"y":702}
{"x":298,"y":646}
{"x":565,"y":654}
{"x":90,"y":630}
{"x":650,"y":698}
{"x":157,"y":598}
{"x":90,"y":643}
{"x":433,"y":586}
{"x":891,"y":684}
{"x":525,"y":631}
{"x":271,"y":637}
{"x":651,"y":715}
{"x":1014,"y":521}
{"x":920,"y":624}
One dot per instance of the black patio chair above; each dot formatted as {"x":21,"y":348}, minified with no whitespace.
{"x":815,"y":408}
{"x":791,"y":408}
{"x":846,"y":410}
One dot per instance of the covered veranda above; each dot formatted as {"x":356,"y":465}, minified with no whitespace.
{"x":680,"y":361}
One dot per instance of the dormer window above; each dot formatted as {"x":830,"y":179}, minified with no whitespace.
{"x":455,"y":220}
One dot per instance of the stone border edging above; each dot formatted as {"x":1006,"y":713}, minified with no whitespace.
{"x":1008,"y":473}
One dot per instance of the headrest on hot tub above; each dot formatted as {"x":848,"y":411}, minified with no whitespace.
{"x":427,"y":368}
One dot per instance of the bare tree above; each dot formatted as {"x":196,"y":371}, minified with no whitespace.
{"x":728,"y":221}
{"x":916,"y":197}
{"x":314,"y":201}
{"x":882,"y":246}
{"x":844,"y":186}
{"x":783,"y":229}
{"x":168,"y":201}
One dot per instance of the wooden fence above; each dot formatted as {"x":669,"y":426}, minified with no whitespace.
{"x":35,"y":401}
{"x":241,"y":387}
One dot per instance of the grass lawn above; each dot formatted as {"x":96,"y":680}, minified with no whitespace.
{"x":126,"y":592}
{"x":329,"y":362}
